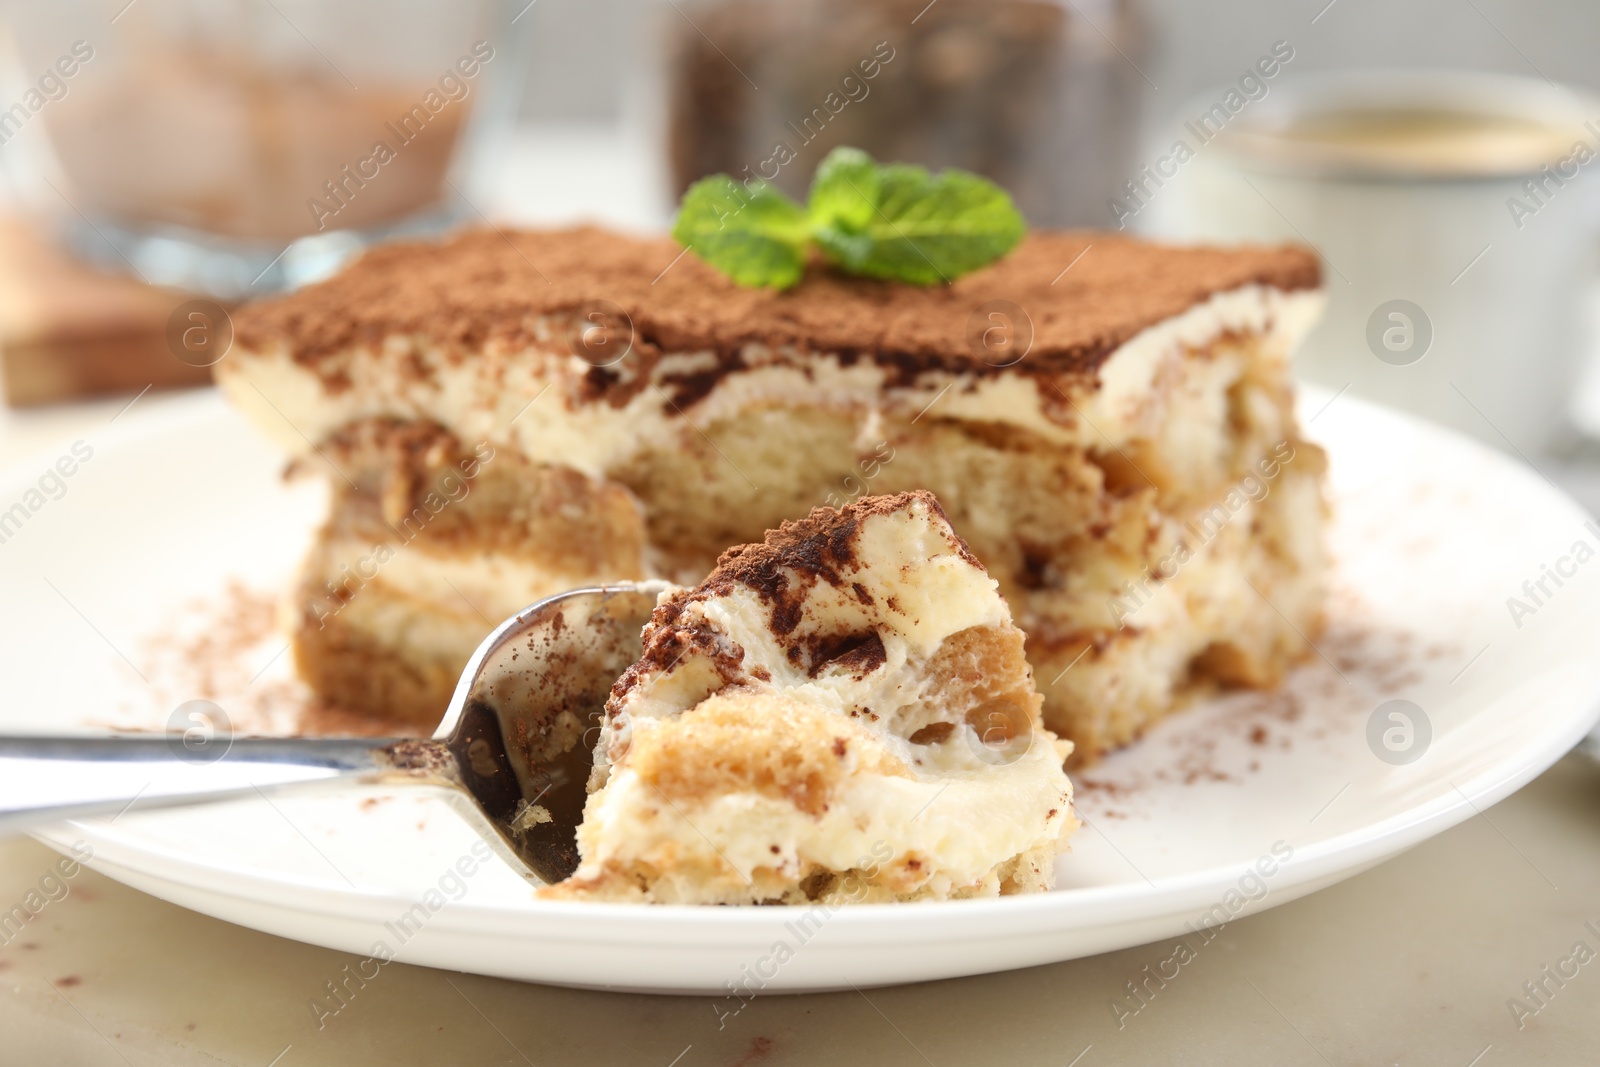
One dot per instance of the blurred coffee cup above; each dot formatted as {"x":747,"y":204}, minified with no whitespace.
{"x":1455,"y":215}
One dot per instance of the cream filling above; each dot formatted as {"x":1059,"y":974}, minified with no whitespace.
{"x":491,"y":584}
{"x":487,"y":396}
{"x":961,"y":825}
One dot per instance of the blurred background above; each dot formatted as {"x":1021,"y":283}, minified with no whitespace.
{"x":167,"y":159}
{"x":1195,"y":44}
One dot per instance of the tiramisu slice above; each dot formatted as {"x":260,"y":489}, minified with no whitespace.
{"x":841,"y":713}
{"x":1109,"y":424}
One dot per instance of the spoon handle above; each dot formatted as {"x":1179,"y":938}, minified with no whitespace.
{"x":46,"y":779}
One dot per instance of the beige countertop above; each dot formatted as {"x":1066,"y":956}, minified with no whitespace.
{"x":1412,"y":962}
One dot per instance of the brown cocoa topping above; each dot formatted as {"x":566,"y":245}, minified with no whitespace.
{"x":858,"y":654}
{"x":485,"y":286}
{"x":782,"y":570}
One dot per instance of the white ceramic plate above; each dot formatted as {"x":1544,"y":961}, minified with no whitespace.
{"x":117,"y":612}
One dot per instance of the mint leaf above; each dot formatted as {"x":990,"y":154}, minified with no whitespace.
{"x":894,"y":222}
{"x":845,"y":191}
{"x":752,"y":233}
{"x":905,"y":224}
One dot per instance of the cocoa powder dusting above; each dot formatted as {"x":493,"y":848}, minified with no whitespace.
{"x":1228,"y":742}
{"x":230,"y":650}
{"x":485,"y":287}
{"x":782,"y":570}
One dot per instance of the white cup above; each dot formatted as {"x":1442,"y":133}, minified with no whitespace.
{"x":1456,"y":232}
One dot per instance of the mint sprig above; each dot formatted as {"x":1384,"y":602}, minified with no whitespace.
{"x":896,"y":222}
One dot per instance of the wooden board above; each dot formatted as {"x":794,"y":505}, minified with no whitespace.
{"x":69,"y":331}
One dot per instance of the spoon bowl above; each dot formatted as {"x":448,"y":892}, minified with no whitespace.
{"x":522,"y":725}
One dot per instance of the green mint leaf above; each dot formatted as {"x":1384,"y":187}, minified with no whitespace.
{"x":905,"y":224}
{"x":895,"y":222}
{"x":752,"y":233}
{"x":845,"y":191}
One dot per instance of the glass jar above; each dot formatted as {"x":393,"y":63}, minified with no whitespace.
{"x":1042,"y":96}
{"x":237,"y":146}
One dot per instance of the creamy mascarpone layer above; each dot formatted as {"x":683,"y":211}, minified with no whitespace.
{"x":960,"y":825}
{"x":486,"y":583}
{"x":528,"y":398}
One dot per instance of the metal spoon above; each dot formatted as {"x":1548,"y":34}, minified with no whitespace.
{"x":513,"y":752}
